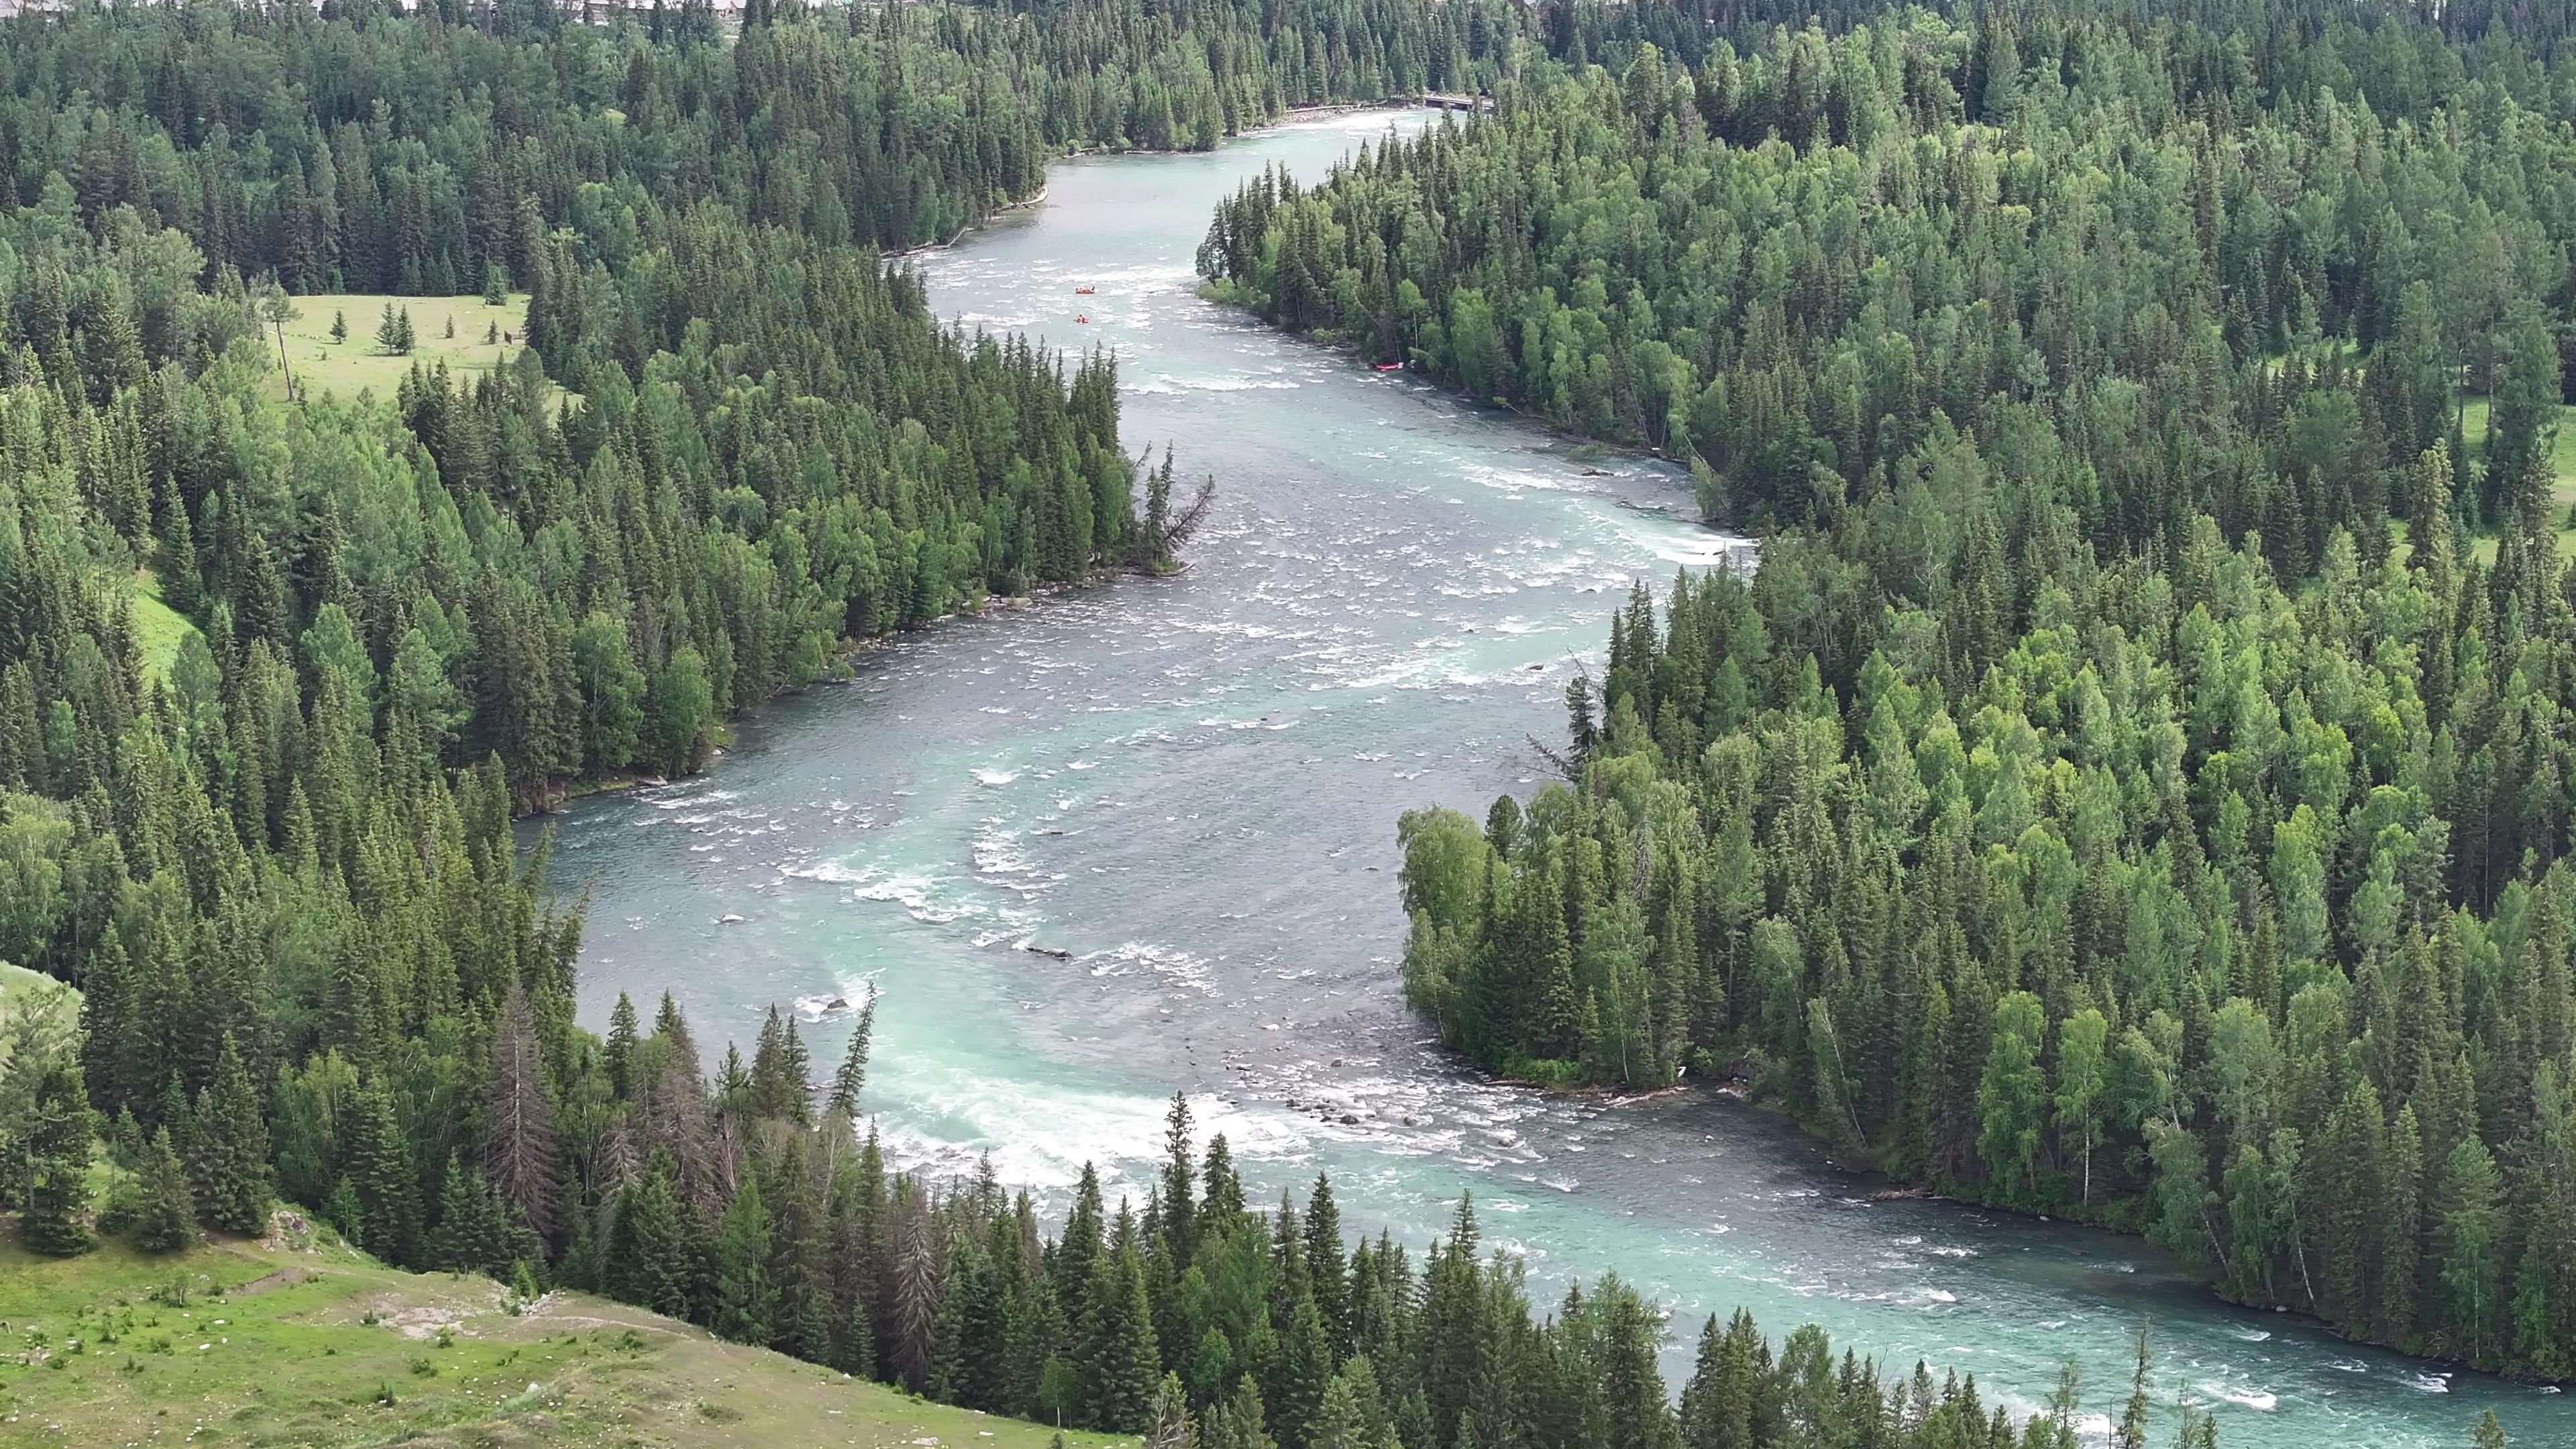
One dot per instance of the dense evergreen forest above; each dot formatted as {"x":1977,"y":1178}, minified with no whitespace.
{"x":382,"y":153}
{"x":2133,"y":785}
{"x":1791,"y":267}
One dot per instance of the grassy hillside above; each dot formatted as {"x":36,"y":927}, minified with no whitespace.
{"x":347,"y":367}
{"x":278,"y":1344}
{"x":157,"y":627}
{"x":18,"y":986}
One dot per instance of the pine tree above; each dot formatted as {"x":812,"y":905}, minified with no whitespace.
{"x":1119,"y":1361}
{"x":518,"y":1117}
{"x":1326,"y":1269}
{"x":648,"y":1260}
{"x":54,"y":1150}
{"x":745,"y":1296}
{"x":167,"y":1218}
{"x":228,"y":1148}
{"x":853,"y":1073}
{"x":380,"y":1173}
{"x":473,"y":1234}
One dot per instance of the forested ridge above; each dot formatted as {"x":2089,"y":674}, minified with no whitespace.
{"x":2133,"y":783}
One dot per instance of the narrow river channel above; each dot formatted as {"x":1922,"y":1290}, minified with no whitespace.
{"x":1189,"y":786}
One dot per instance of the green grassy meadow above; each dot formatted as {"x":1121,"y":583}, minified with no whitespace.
{"x":240,"y":1343}
{"x":358,"y":364}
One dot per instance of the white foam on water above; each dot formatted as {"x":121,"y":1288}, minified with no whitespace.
{"x":2241,"y":1396}
{"x":827,"y":872}
{"x":995,"y":777}
{"x":1121,"y":1134}
{"x":1167,"y":961}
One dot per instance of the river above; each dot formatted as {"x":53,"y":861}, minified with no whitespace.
{"x":1190,"y":784}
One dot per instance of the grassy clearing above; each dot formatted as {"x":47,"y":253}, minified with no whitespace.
{"x":158,"y":628}
{"x":244,"y":1344}
{"x":358,"y":364}
{"x":2473,"y":428}
{"x":19,"y":987}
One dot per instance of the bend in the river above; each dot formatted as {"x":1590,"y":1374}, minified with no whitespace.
{"x":1190,"y":785}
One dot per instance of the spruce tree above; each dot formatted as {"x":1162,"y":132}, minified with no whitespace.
{"x":54,"y":1148}
{"x":853,"y":1074}
{"x":1326,"y":1268}
{"x":167,"y":1215}
{"x":228,"y":1148}
{"x":648,"y":1260}
{"x":1171,"y":1424}
{"x":1119,"y":1365}
{"x":519,"y":1155}
{"x":381,"y":1175}
{"x":617,"y":1055}
{"x":746,"y":1299}
{"x":472,"y":1235}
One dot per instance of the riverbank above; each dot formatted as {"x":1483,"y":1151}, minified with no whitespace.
{"x":846,"y":655}
{"x":1292,"y":116}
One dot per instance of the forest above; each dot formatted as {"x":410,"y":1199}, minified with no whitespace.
{"x":1789,"y":268}
{"x":2130,"y":781}
{"x":279,"y":670}
{"x":281,"y":665}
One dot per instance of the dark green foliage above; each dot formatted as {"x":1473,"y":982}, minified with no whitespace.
{"x":228,"y":1149}
{"x":746,"y":1299}
{"x":49,"y":1155}
{"x":1830,"y":271}
{"x":165,"y":1212}
{"x":394,"y":336}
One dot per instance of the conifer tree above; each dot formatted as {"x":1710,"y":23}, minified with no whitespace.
{"x":1326,"y":1269}
{"x":843,"y":1104}
{"x":519,"y":1149}
{"x":473,"y":1232}
{"x":52,"y":1143}
{"x":648,"y":1259}
{"x":166,"y":1218}
{"x":380,"y":1172}
{"x":228,"y":1148}
{"x":745,"y":1296}
{"x":1119,"y":1366}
